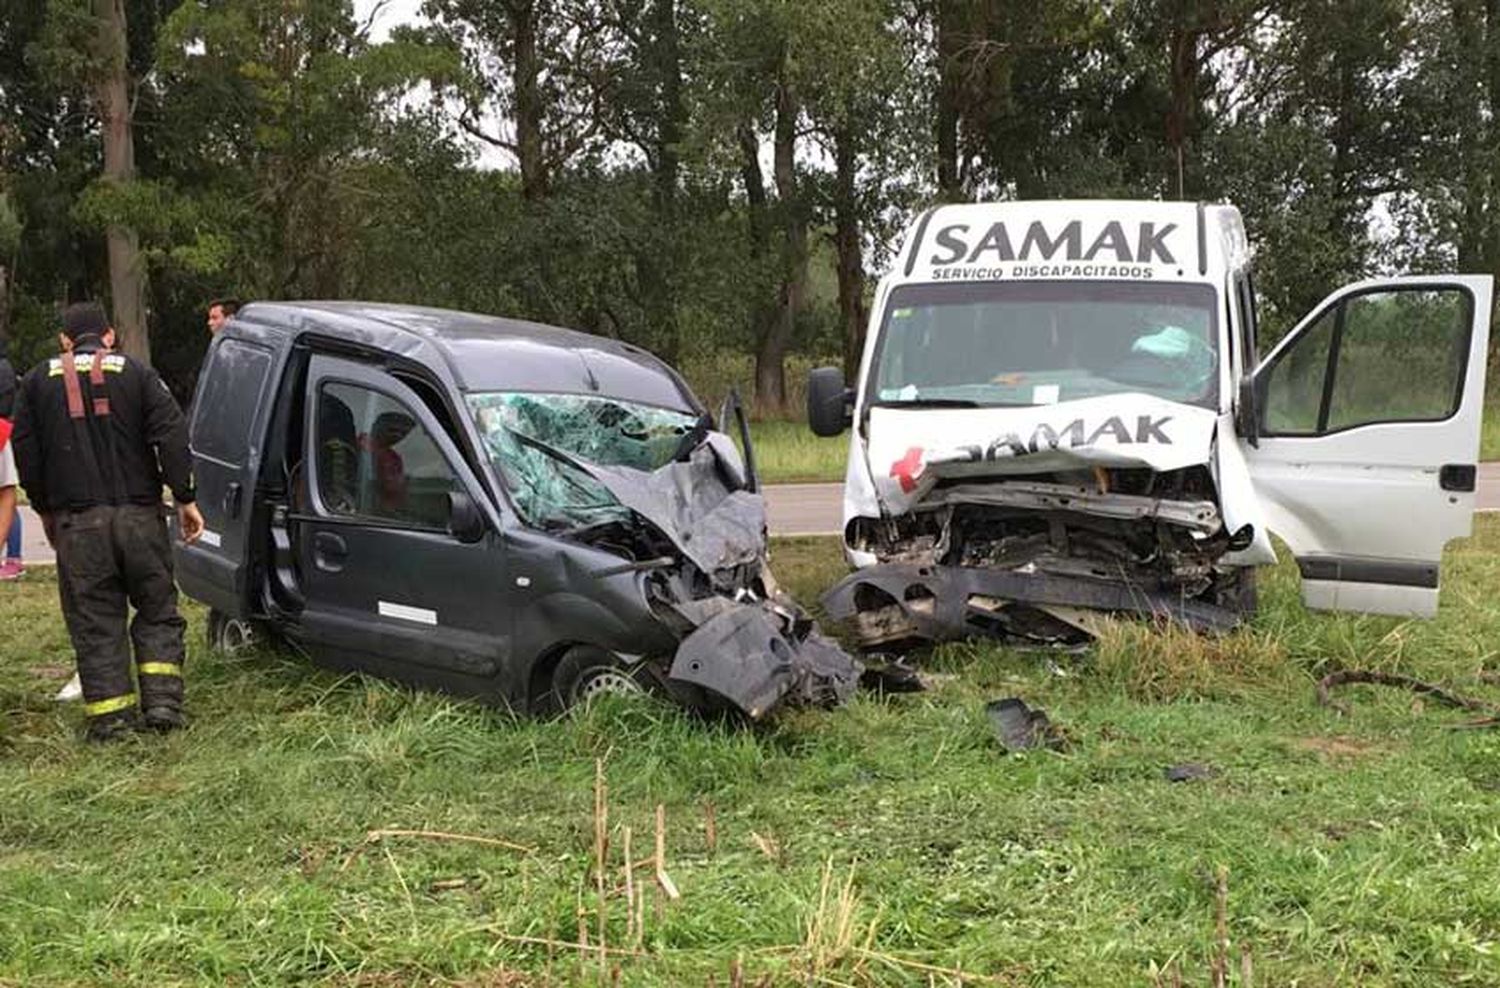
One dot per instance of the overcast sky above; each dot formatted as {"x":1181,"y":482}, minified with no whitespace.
{"x":391,"y":13}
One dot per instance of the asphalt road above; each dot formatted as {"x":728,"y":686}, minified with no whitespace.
{"x":795,"y":509}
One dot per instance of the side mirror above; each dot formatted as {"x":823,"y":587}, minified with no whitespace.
{"x":465,"y":520}
{"x":829,"y":402}
{"x":1246,"y":414}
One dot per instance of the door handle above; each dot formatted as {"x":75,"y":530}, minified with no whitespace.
{"x":1458,"y":477}
{"x":329,"y":552}
{"x":231,"y":503}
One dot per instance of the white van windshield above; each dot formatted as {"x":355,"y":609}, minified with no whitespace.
{"x":1038,"y":343}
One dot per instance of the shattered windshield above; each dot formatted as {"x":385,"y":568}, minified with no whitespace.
{"x":1038,"y":343}
{"x":531,"y":437}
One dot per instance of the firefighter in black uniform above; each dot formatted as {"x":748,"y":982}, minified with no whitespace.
{"x":96,"y":435}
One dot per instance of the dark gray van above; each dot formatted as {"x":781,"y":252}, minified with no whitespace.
{"x":491,"y":507}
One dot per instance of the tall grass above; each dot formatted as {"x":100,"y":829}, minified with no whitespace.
{"x":890,"y":842}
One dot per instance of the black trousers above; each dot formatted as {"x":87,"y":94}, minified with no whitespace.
{"x":110,"y":559}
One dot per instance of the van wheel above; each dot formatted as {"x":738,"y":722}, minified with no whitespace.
{"x":586,"y":672}
{"x":232,"y":635}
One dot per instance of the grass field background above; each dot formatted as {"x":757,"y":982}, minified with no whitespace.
{"x":890,"y":842}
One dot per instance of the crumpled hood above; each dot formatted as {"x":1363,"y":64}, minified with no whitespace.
{"x":710,"y":524}
{"x":911,"y":449}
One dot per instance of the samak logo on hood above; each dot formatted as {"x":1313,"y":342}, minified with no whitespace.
{"x":1077,"y":434}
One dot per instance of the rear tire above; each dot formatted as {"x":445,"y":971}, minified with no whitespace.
{"x":233,"y":636}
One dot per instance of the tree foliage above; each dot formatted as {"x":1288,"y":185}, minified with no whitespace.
{"x":711,"y":176}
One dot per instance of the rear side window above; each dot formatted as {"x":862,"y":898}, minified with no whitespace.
{"x":228,"y":402}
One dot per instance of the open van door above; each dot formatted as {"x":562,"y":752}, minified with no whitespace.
{"x":1367,"y":419}
{"x":226,"y":433}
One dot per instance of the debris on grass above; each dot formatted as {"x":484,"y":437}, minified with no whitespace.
{"x":374,"y":837}
{"x":894,"y":676}
{"x":1442,"y":695}
{"x":1020,"y":728}
{"x":1190,"y":772}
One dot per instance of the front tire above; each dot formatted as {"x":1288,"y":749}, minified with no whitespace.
{"x":586,"y":672}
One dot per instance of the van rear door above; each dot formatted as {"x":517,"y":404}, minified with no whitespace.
{"x":227,"y":430}
{"x":1368,"y":417}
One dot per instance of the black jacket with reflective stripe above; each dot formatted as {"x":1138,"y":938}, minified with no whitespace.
{"x":124,"y":458}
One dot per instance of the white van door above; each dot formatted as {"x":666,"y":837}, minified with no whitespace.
{"x":1366,"y":457}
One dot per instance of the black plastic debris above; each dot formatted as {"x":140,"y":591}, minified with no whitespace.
{"x":1190,"y":772}
{"x":1021,"y":728}
{"x":894,"y":676}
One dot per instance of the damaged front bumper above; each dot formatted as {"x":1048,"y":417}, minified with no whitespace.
{"x":1036,"y":560}
{"x":759,"y":656}
{"x":896,"y":606}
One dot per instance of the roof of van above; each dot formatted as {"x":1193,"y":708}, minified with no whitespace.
{"x":1073,"y":239}
{"x":484,"y":353}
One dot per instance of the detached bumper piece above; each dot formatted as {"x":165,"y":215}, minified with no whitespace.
{"x":896,"y":606}
{"x":758,"y":657}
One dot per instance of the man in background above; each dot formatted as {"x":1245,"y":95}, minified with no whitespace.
{"x":96,"y":436}
{"x":220,"y":311}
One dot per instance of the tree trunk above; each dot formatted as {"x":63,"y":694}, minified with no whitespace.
{"x":1468,"y":29}
{"x":755,"y":189}
{"x":1490,"y":32}
{"x":761,"y":315}
{"x":949,"y":95}
{"x":770,"y":359}
{"x":1182,"y":170}
{"x":526,"y":74}
{"x":847,"y":244}
{"x":656,"y":267}
{"x":127,"y":273}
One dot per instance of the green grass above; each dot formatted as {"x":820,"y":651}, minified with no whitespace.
{"x":1489,"y":435}
{"x":1360,"y":849}
{"x":788,"y":453}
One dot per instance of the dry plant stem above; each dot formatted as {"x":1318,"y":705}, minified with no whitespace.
{"x":1247,"y":967}
{"x":949,"y":972}
{"x":1438,"y":693}
{"x":662,"y":878}
{"x":1221,"y":927}
{"x":601,"y":856}
{"x":630,"y":930}
{"x":710,"y":827}
{"x":376,"y":835}
{"x":582,"y":947}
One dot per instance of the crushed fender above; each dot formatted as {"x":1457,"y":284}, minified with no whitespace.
{"x":669,"y":496}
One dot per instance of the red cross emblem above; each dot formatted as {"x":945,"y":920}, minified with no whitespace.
{"x":908,"y":468}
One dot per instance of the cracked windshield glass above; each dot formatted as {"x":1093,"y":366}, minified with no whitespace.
{"x":532,"y":437}
{"x":1036,"y":343}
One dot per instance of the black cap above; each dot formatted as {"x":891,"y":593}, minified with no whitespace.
{"x":84,"y":319}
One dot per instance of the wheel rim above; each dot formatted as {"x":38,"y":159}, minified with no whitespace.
{"x":601,"y":682}
{"x":236,"y":636}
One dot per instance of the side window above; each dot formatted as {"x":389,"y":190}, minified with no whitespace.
{"x":1385,"y":356}
{"x":228,"y":403}
{"x":376,"y":461}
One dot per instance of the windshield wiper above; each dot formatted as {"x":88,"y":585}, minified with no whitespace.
{"x":928,"y":403}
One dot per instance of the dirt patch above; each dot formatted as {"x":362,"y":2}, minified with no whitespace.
{"x":1339,"y":747}
{"x":51,"y":671}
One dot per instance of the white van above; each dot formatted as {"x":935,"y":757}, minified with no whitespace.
{"x":1060,"y":411}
